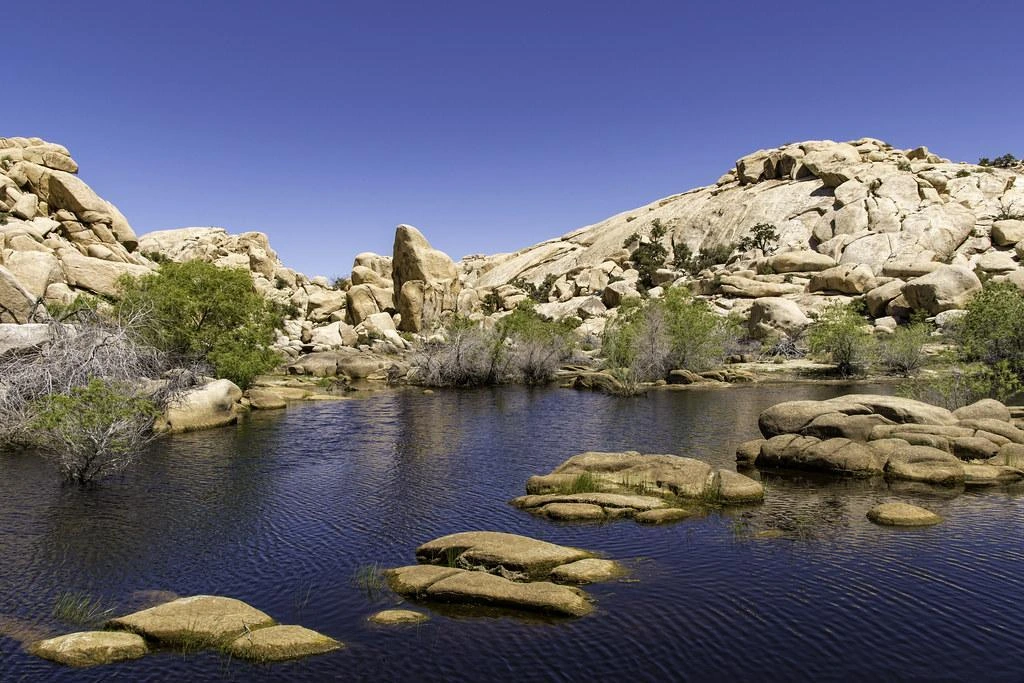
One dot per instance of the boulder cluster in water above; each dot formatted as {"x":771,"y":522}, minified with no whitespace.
{"x":647,"y":488}
{"x":197,"y":622}
{"x":494,"y":569}
{"x":867,"y":435}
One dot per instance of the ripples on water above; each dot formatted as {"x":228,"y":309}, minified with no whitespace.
{"x":284,"y":509}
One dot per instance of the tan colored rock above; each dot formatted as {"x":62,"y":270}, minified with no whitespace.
{"x":664,"y":516}
{"x":16,"y":302}
{"x":415,"y":579}
{"x":491,"y":549}
{"x":603,"y":500}
{"x":392,"y":617}
{"x":839,"y":456}
{"x":480,"y":588}
{"x":918,"y":463}
{"x":744,"y":287}
{"x":211,"y":405}
{"x":945,"y":288}
{"x":986,"y":474}
{"x":415,"y":260}
{"x":590,"y":570}
{"x":90,"y":648}
{"x":96,"y":275}
{"x":747,"y":452}
{"x":279,"y":643}
{"x":804,"y":261}
{"x":572,"y":511}
{"x":775,"y":315}
{"x":265,"y":399}
{"x":846,"y":279}
{"x":206,"y":619}
{"x":878,"y":298}
{"x":902,"y":514}
{"x":1006,"y":233}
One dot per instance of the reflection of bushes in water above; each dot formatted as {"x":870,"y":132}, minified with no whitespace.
{"x":812,"y":523}
{"x":960,"y":386}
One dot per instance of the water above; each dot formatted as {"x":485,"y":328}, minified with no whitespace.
{"x":283,"y":510}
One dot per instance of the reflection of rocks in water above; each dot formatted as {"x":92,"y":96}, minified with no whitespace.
{"x":24,"y":631}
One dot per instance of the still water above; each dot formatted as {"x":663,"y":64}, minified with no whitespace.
{"x":284,"y":510}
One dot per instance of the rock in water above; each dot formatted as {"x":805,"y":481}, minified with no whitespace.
{"x":493,"y":549}
{"x":90,"y":648}
{"x":205,"y":619}
{"x":390,"y":617}
{"x":902,"y":514}
{"x":277,"y":643}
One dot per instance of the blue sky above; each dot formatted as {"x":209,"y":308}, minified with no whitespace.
{"x":490,"y":126}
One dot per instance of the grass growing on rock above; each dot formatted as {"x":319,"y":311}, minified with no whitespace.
{"x":370,"y":579}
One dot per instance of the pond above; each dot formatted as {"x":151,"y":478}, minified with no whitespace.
{"x":286,"y":509}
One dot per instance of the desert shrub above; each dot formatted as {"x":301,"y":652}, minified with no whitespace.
{"x":685,"y":260}
{"x":95,"y":430}
{"x":198,"y":310}
{"x":651,"y":337}
{"x":961,"y":386}
{"x":648,"y":256}
{"x":522,"y":347}
{"x":902,"y":353}
{"x":538,"y":293}
{"x":1004,"y":161}
{"x":992,"y":330}
{"x":839,"y":334}
{"x":96,"y":346}
{"x":763,"y":236}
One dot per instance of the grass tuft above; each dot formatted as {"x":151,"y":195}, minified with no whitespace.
{"x":81,"y":609}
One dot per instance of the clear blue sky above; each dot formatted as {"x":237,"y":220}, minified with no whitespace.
{"x":490,"y":126}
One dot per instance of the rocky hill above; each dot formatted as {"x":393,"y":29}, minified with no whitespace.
{"x":903,"y":229}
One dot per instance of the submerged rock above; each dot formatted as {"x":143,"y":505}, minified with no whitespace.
{"x":90,"y":648}
{"x":902,"y":514}
{"x":277,"y":643}
{"x":390,"y":617}
{"x":200,"y":619}
{"x":664,"y":516}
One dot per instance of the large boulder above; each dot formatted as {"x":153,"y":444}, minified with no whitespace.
{"x":211,"y":405}
{"x":804,"y":261}
{"x":415,"y":260}
{"x":775,"y":315}
{"x":200,"y":619}
{"x":790,"y":417}
{"x":96,"y":275}
{"x":90,"y":648}
{"x":945,"y":288}
{"x":16,"y":302}
{"x":846,"y":279}
{"x":839,"y":456}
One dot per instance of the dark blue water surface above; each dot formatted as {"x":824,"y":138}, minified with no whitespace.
{"x":285,"y":509}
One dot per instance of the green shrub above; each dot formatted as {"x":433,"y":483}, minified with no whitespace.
{"x":839,"y":334}
{"x":199,"y":310}
{"x":992,"y":330}
{"x":902,"y":353}
{"x":539,"y":293}
{"x":522,"y":347}
{"x":961,"y":386}
{"x":675,"y":332}
{"x":95,"y":430}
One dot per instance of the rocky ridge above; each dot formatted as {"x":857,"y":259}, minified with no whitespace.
{"x":900,"y":229}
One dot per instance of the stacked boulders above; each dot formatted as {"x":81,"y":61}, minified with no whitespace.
{"x":900,"y":438}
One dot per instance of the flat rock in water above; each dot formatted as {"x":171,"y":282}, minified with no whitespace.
{"x":605,"y":500}
{"x":206,"y":619}
{"x":572,"y":511}
{"x":590,"y":570}
{"x":988,"y":475}
{"x":90,"y":648}
{"x":664,"y":516}
{"x":277,"y":643}
{"x":391,"y":617}
{"x":902,"y":514}
{"x":480,"y":588}
{"x":415,"y":579}
{"x":737,"y":488}
{"x":493,"y":549}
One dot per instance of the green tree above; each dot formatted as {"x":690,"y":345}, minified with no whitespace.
{"x":1005,"y":161}
{"x":95,"y":430}
{"x":648,"y":256}
{"x":763,"y":236}
{"x":199,"y":310}
{"x":992,"y":330}
{"x":839,"y":333}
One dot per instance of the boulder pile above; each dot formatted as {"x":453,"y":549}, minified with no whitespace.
{"x":494,"y":569}
{"x":868,"y":435}
{"x":647,"y":488}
